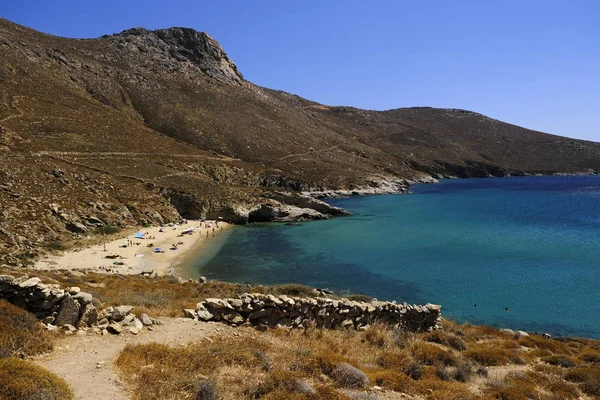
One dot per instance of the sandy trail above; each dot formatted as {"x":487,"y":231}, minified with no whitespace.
{"x":76,"y":358}
{"x":139,"y":257}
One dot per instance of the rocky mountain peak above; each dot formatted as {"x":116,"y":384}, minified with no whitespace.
{"x":188,"y":44}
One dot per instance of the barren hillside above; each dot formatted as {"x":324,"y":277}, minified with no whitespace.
{"x":144,"y":126}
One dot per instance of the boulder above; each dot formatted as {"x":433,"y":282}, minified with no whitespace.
{"x":83,"y":298}
{"x":114,"y":328}
{"x":137,"y":324}
{"x":120,"y":312}
{"x":189,"y":313}
{"x":6,"y":278}
{"x":68,"y":313}
{"x":89,"y":315}
{"x":29,"y":283}
{"x":146,"y":320}
{"x":76,"y":227}
{"x":73,"y":290}
{"x":204,"y":314}
{"x":217,"y":304}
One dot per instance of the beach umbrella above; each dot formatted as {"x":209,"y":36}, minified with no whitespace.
{"x":139,"y":235}
{"x":158,"y":250}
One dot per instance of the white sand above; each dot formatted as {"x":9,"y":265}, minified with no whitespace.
{"x":138,"y":258}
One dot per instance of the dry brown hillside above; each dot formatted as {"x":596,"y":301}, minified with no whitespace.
{"x":144,"y":126}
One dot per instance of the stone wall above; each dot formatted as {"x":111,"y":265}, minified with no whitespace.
{"x":265,"y":311}
{"x":70,"y":308}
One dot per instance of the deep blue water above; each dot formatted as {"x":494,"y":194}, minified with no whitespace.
{"x":531,"y":244}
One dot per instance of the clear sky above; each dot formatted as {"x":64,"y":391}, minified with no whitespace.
{"x":534,"y":63}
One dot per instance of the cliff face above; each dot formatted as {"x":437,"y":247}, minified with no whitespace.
{"x":144,"y":126}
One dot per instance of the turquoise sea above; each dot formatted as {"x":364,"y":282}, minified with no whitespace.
{"x":529,"y":244}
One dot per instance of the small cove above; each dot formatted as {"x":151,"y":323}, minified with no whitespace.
{"x":529,"y":244}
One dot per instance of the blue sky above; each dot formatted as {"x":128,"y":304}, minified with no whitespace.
{"x":527,"y":62}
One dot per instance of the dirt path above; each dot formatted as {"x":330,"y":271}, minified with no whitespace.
{"x":76,"y":358}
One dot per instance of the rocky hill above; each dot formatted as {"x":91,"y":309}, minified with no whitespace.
{"x":147,"y":126}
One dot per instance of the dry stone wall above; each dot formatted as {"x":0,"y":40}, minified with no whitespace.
{"x":264,"y":311}
{"x":69,"y":308}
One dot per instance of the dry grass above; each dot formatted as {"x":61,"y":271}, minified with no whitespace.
{"x":305,"y":364}
{"x":161,"y":297}
{"x":21,"y":379}
{"x":21,"y":334}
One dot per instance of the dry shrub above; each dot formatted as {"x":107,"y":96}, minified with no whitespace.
{"x":21,"y":334}
{"x":414,"y":370}
{"x":158,"y":371}
{"x":377,"y":335}
{"x":563,"y":390}
{"x":538,"y":342}
{"x":327,"y":393}
{"x":394,"y":360}
{"x":591,"y":388}
{"x":463,"y":372}
{"x":348,"y":376}
{"x":590,"y":356}
{"x":393,"y":381}
{"x":506,"y":392}
{"x":548,"y":369}
{"x":206,"y":390}
{"x":295,"y":289}
{"x":430,"y":354}
{"x":434,"y":389}
{"x":582,"y":374}
{"x":442,"y":373}
{"x":488,"y":355}
{"x":24,"y":380}
{"x":456,"y":343}
{"x":561,"y":361}
{"x":279,"y":382}
{"x":587,"y":377}
{"x":447,"y":339}
{"x":479,"y":332}
{"x":363,"y":298}
{"x":328,"y":361}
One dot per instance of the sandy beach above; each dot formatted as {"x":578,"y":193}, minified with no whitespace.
{"x":131,"y":255}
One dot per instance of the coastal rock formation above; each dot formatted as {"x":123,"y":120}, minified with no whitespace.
{"x":265,"y":311}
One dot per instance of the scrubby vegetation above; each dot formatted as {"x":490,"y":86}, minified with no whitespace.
{"x":22,"y":335}
{"x":459,"y":362}
{"x":159,"y":297}
{"x":323,"y":364}
{"x":21,"y":379}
